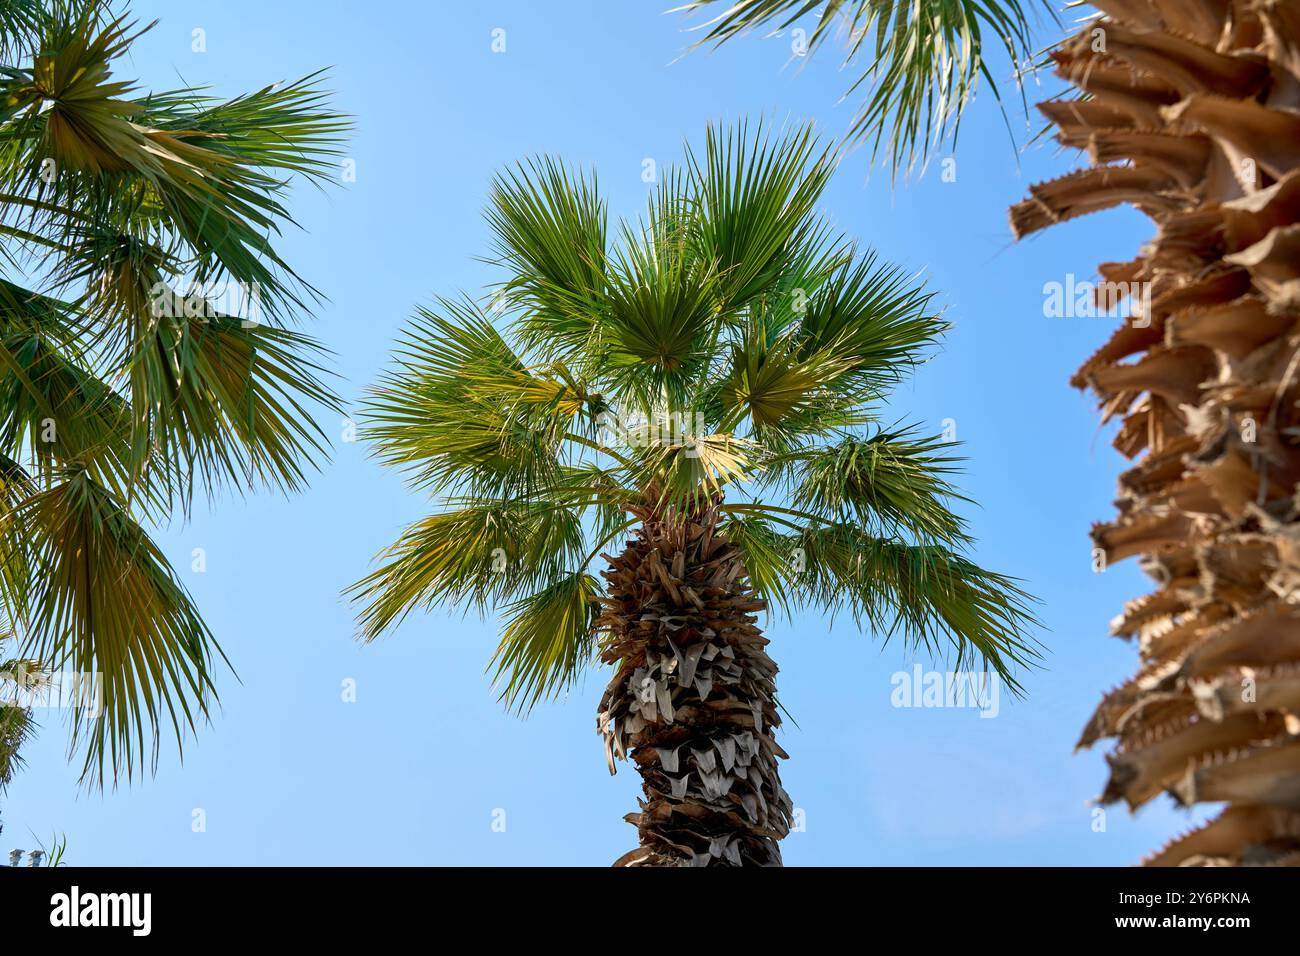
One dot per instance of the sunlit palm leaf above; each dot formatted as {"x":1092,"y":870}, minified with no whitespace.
{"x":774,"y":386}
{"x":461,"y":409}
{"x":933,"y":597}
{"x":875,"y":317}
{"x":661,"y":322}
{"x":753,"y":198}
{"x":550,"y":225}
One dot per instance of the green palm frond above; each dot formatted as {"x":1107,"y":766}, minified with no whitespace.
{"x":176,"y":169}
{"x":287,"y":127}
{"x":16,"y":727}
{"x":20,"y":22}
{"x":55,"y":411}
{"x":752,"y":199}
{"x":105,"y":602}
{"x":550,"y":225}
{"x":779,"y":386}
{"x":684,"y":472}
{"x":894,"y":483}
{"x":473,"y":554}
{"x":548,"y":640}
{"x":919,"y":61}
{"x":876,"y":317}
{"x":224,"y":403}
{"x":846,"y":340}
{"x":17,"y":577}
{"x":661,"y":319}
{"x":460,"y":410}
{"x":772,"y":558}
{"x":934,"y":597}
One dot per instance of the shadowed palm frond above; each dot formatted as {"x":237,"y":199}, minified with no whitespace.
{"x":144,"y":353}
{"x":16,"y":726}
{"x":223,"y":403}
{"x":20,"y":22}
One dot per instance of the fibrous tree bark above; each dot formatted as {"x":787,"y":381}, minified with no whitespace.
{"x":1190,"y":111}
{"x":693,"y":699}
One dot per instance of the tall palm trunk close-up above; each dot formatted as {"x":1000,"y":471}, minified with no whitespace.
{"x":693,"y":697}
{"x":1191,"y":112}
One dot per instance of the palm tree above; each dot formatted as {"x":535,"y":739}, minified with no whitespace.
{"x":918,"y":63}
{"x":1187,"y":111}
{"x":127,"y":382}
{"x":15,"y":728}
{"x":16,"y":724}
{"x":708,"y":381}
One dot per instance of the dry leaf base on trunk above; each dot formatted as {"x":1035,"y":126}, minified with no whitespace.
{"x":1190,"y":110}
{"x":693,"y":698}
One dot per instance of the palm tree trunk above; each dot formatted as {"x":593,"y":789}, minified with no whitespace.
{"x":693,"y":698}
{"x":1188,"y":111}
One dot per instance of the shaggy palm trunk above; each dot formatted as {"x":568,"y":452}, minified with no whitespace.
{"x":1192,"y":114}
{"x":693,"y":698}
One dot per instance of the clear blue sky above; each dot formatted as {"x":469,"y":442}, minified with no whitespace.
{"x":413,"y":771}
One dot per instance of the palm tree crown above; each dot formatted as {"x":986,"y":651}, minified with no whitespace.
{"x":726,"y":349}
{"x":126,"y":382}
